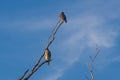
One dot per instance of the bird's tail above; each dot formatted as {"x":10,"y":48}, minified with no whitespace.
{"x":48,"y":63}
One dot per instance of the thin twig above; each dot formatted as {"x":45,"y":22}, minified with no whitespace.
{"x":91,"y":73}
{"x":53,"y":30}
{"x":52,"y":36}
{"x":40,"y":65}
{"x":32,"y":72}
{"x":90,"y":66}
{"x":97,"y":52}
{"x":38,"y":62}
{"x":24,"y":74}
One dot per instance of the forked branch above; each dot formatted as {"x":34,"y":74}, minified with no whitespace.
{"x":91,"y":64}
{"x":38,"y":63}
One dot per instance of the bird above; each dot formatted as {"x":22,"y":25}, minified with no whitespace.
{"x":63,"y":17}
{"x":47,"y":54}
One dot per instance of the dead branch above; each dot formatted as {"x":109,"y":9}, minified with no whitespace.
{"x":38,"y":64}
{"x":91,"y":72}
{"x":52,"y":36}
{"x":33,"y":71}
{"x":23,"y":75}
{"x":91,"y":64}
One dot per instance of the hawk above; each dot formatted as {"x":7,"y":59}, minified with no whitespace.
{"x":63,"y":17}
{"x":47,"y":54}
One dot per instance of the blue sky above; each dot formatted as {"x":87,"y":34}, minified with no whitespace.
{"x":25,"y":26}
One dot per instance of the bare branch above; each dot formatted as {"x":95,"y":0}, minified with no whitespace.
{"x":90,"y":65}
{"x":52,"y":36}
{"x":38,"y":65}
{"x":49,"y":42}
{"x":24,"y":74}
{"x":38,"y":62}
{"x":53,"y":30}
{"x":97,"y":52}
{"x":92,"y":76}
{"x":32,"y":72}
{"x":91,"y":73}
{"x":91,"y":58}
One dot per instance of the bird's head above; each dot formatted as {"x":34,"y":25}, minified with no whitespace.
{"x":62,"y":12}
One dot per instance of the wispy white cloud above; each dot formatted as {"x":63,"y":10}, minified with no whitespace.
{"x":90,"y":30}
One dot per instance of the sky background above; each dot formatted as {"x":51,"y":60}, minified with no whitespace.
{"x":25,"y":26}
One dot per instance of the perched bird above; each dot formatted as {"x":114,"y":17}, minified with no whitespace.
{"x":47,"y":55}
{"x":63,"y":17}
